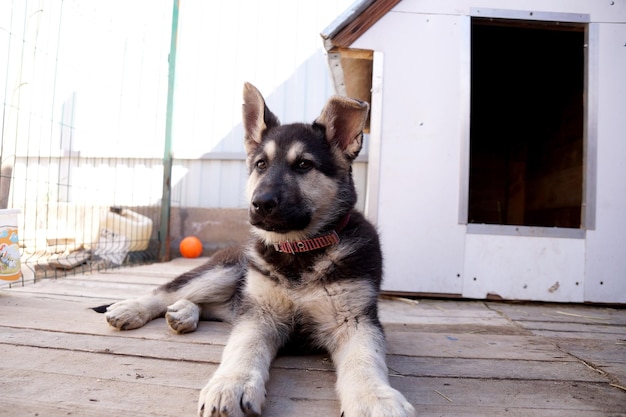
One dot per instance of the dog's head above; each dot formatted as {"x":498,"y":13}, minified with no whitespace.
{"x":300,"y":181}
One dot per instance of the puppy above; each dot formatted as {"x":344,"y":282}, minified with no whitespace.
{"x":309,"y":276}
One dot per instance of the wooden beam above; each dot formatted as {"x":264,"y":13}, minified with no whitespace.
{"x":353,"y":30}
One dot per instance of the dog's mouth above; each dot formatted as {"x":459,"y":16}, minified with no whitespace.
{"x":279,"y":222}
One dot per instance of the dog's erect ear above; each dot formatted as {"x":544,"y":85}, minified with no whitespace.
{"x":344,"y":119}
{"x":257,"y":118}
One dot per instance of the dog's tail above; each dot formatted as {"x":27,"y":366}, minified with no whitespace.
{"x":101,"y":309}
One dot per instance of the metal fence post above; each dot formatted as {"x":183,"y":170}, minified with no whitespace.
{"x":164,"y":232}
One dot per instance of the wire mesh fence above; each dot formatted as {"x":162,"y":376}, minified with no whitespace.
{"x":83,"y":90}
{"x":87,"y":155}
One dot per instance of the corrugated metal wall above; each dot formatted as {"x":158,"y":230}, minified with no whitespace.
{"x":273,"y":44}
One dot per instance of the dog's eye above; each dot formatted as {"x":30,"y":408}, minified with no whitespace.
{"x":261,"y":165}
{"x":304,"y":165}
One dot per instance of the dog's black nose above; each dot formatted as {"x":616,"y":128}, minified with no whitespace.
{"x":265,"y":203}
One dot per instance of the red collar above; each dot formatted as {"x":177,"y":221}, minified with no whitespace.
{"x":319,"y":242}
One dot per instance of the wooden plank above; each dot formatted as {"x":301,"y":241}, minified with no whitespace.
{"x":403,"y":310}
{"x":360,"y":54}
{"x":12,"y":303}
{"x":53,"y":394}
{"x":444,"y":317}
{"x":500,"y":411}
{"x":562,"y":313}
{"x":73,"y":318}
{"x":52,"y":314}
{"x":92,"y":300}
{"x":399,"y":343}
{"x":109,"y":369}
{"x":615,"y":372}
{"x":450,"y":327}
{"x":428,"y":316}
{"x":140,"y":386}
{"x":107,"y":366}
{"x":75,"y":395}
{"x":467,"y":320}
{"x":171,"y":269}
{"x":480,"y":397}
{"x":86,"y":288}
{"x":480,"y":327}
{"x":575,"y":330}
{"x":365,"y":20}
{"x":122,"y":278}
{"x":474,"y":346}
{"x":57,"y":315}
{"x":136,"y":386}
{"x":205,"y":344}
{"x":593,"y":350}
{"x":182,"y":348}
{"x":496,"y":369}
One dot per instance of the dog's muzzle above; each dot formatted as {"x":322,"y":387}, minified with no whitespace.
{"x":269,"y":211}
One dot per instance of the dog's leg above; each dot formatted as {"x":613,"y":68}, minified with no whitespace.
{"x":362,"y":381}
{"x":134,"y":313}
{"x":183,"y":316}
{"x":346,"y":322}
{"x":212,"y":286}
{"x":237,"y":388}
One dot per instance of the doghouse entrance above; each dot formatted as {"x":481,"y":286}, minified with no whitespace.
{"x":526,"y":123}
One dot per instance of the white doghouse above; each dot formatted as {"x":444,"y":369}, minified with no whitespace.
{"x":497,"y":143}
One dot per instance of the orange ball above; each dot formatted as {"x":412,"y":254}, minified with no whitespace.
{"x":190,"y":247}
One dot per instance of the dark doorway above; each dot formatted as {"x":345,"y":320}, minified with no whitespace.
{"x":526,"y":126}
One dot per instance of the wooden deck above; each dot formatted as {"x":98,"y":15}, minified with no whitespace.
{"x":450,"y":358}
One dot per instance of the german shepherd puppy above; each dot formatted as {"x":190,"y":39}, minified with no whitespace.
{"x":311,"y":272}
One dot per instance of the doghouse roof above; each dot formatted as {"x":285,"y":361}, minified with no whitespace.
{"x":351,"y":69}
{"x":354,"y":22}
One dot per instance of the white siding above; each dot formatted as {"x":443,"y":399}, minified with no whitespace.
{"x":606,"y":245}
{"x":526,"y":268}
{"x":420,"y":157}
{"x":273,"y":44}
{"x":424,"y":164}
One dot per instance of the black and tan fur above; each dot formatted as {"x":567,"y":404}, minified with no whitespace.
{"x":300,"y":187}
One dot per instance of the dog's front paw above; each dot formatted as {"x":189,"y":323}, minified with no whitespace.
{"x":183,"y":316}
{"x":127,"y":314}
{"x":226,"y":396}
{"x":383,"y":401}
